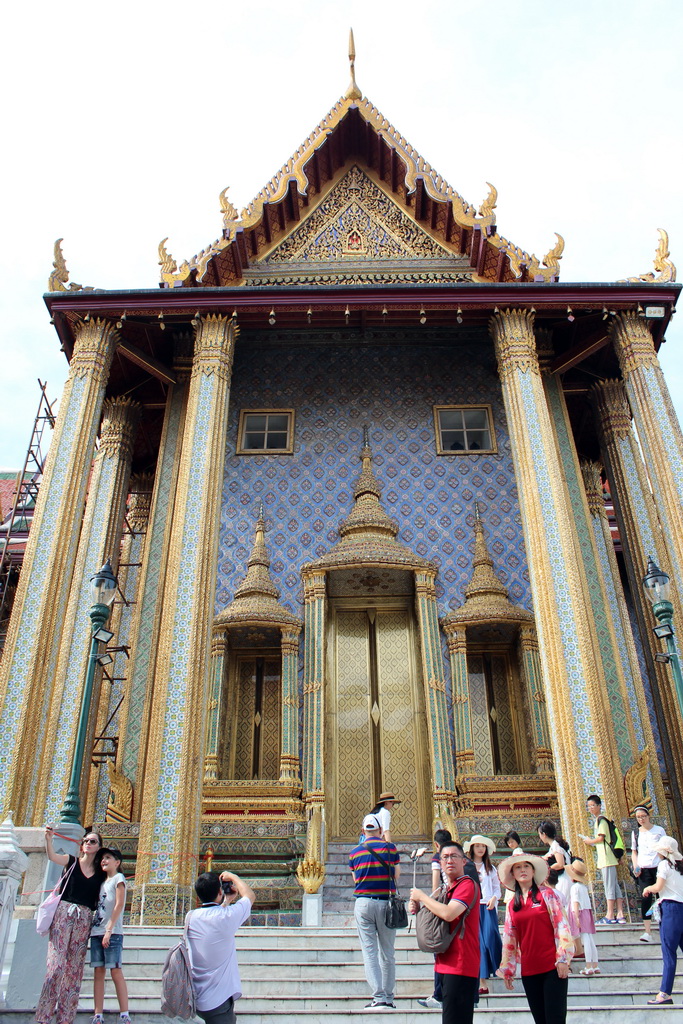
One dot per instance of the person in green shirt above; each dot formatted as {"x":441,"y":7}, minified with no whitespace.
{"x":607,"y":863}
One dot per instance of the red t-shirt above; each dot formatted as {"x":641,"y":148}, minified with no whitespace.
{"x":535,"y":935}
{"x":462,"y":956}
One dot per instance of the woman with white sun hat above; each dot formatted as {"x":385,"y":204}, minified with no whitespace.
{"x":669,"y":889}
{"x":480,"y":849}
{"x":536,"y":931}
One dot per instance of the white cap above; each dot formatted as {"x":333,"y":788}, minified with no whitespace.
{"x":371,"y":821}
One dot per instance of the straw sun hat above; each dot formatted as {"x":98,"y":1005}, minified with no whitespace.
{"x":667,"y":847}
{"x":484,"y":840}
{"x":539,"y":865}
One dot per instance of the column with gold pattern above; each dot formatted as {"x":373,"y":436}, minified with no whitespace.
{"x":658,"y":428}
{"x":113,"y":695}
{"x":642,"y":538}
{"x":456,"y":638}
{"x":443,"y":774}
{"x":637,"y":706}
{"x":289,"y":755}
{"x":604,"y":614}
{"x":314,"y":675}
{"x":582,"y":741}
{"x":219,"y":653}
{"x":100,"y":539}
{"x":136,"y":709}
{"x":533,"y":679}
{"x":32,"y":644}
{"x":169,"y":834}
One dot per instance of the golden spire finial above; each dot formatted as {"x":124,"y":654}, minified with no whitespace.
{"x":353,"y":92}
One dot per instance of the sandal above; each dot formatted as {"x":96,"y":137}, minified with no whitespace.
{"x":587,"y":972}
{"x":621,"y":920}
{"x":483,"y":991}
{"x":659,"y":1002}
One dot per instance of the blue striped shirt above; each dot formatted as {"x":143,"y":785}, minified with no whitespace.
{"x":372,"y":878}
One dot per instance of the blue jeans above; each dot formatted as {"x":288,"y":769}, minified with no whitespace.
{"x":106,"y":956}
{"x":671,"y":937}
{"x":377,"y":944}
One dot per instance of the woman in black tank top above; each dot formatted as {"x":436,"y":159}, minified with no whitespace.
{"x":70,"y":928}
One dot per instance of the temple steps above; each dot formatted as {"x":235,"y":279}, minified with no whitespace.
{"x":315,"y":976}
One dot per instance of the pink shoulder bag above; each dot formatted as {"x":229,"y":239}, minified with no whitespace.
{"x":47,"y":909}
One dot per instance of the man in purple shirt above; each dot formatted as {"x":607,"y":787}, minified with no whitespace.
{"x":372,"y":864}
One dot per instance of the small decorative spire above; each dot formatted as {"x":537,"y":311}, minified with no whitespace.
{"x":353,"y":92}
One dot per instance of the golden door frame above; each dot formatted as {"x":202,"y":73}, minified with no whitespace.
{"x":414,"y":790}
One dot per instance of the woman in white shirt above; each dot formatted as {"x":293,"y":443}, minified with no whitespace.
{"x":382,"y":811}
{"x":645,"y":861}
{"x":558,"y":857}
{"x":480,"y":849}
{"x":669,"y":888}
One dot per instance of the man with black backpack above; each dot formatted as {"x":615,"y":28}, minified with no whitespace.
{"x":459,"y":962}
{"x":609,"y":847}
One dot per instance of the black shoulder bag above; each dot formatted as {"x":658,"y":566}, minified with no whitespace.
{"x":396,"y":913}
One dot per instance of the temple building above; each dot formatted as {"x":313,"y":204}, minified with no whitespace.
{"x":379,"y":493}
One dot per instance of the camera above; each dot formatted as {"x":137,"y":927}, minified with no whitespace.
{"x":228,"y":888}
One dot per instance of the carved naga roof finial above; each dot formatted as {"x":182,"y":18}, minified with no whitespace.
{"x":353,"y":92}
{"x":59,"y":278}
{"x":665,"y":269}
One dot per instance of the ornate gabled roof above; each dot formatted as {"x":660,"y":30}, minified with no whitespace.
{"x":486,"y":597}
{"x":354,"y":130}
{"x":368,"y":534}
{"x":256,"y":598}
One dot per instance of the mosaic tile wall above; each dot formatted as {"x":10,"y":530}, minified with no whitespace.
{"x":335,"y":388}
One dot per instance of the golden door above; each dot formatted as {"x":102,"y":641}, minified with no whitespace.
{"x":376,"y":725}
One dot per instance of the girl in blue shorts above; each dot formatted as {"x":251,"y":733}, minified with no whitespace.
{"x":106,"y":937}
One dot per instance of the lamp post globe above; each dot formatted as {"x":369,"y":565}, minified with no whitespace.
{"x":103,"y":586}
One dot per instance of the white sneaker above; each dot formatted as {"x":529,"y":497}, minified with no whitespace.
{"x":645,"y":937}
{"x":430,"y":1003}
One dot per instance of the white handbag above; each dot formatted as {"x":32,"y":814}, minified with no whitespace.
{"x":47,"y":909}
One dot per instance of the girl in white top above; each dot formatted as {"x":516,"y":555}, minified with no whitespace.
{"x":557,"y":857}
{"x":480,"y":849}
{"x":645,"y":860}
{"x":669,"y":888}
{"x":106,"y":937}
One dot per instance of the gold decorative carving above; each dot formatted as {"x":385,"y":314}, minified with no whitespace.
{"x":665,"y":271}
{"x":515,"y":343}
{"x":119,"y":424}
{"x":170,"y":275}
{"x":635,"y":782}
{"x":93,"y":350}
{"x":488,"y":206}
{"x":59,"y":278}
{"x":592,"y":481}
{"x":632,"y":341}
{"x":140,"y":502}
{"x":230,"y":214}
{"x":353,"y":92}
{"x":356,"y":206}
{"x":550,"y":270}
{"x":214,"y":346}
{"x":310,"y":871}
{"x":613,"y":409}
{"x":120,"y":804}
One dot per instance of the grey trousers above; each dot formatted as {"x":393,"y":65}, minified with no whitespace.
{"x":223,"y":1014}
{"x":377,"y":944}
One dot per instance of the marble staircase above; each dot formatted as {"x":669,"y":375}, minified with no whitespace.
{"x":338,"y":888}
{"x":315,"y":976}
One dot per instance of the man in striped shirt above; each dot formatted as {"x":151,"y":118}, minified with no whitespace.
{"x":372,"y":876}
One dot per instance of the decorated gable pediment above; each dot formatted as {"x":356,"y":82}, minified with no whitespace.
{"x":358,"y":230}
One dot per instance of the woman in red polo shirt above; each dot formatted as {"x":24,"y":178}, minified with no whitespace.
{"x":536,"y":931}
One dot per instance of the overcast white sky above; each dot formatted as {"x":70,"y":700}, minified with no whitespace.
{"x":123,"y":122}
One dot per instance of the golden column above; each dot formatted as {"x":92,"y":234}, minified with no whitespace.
{"x":642,"y":538}
{"x":658,"y":428}
{"x":136,"y":710}
{"x":113,"y":697}
{"x":219,"y":653}
{"x":533,"y":679}
{"x":170,"y":818}
{"x":639,"y":718}
{"x":100,"y":539}
{"x":443,"y":774}
{"x":32,"y":645}
{"x":581,"y":736}
{"x":314,"y":676}
{"x":456,"y":638}
{"x":289,"y":757}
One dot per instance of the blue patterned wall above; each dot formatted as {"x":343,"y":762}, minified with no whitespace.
{"x":335,"y":387}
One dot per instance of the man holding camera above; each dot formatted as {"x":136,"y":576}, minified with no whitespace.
{"x":226,"y":903}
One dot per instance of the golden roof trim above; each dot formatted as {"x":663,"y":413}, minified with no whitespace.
{"x":665,"y":270}
{"x":416,"y":168}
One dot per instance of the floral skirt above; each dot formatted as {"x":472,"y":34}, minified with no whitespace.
{"x":68,"y":944}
